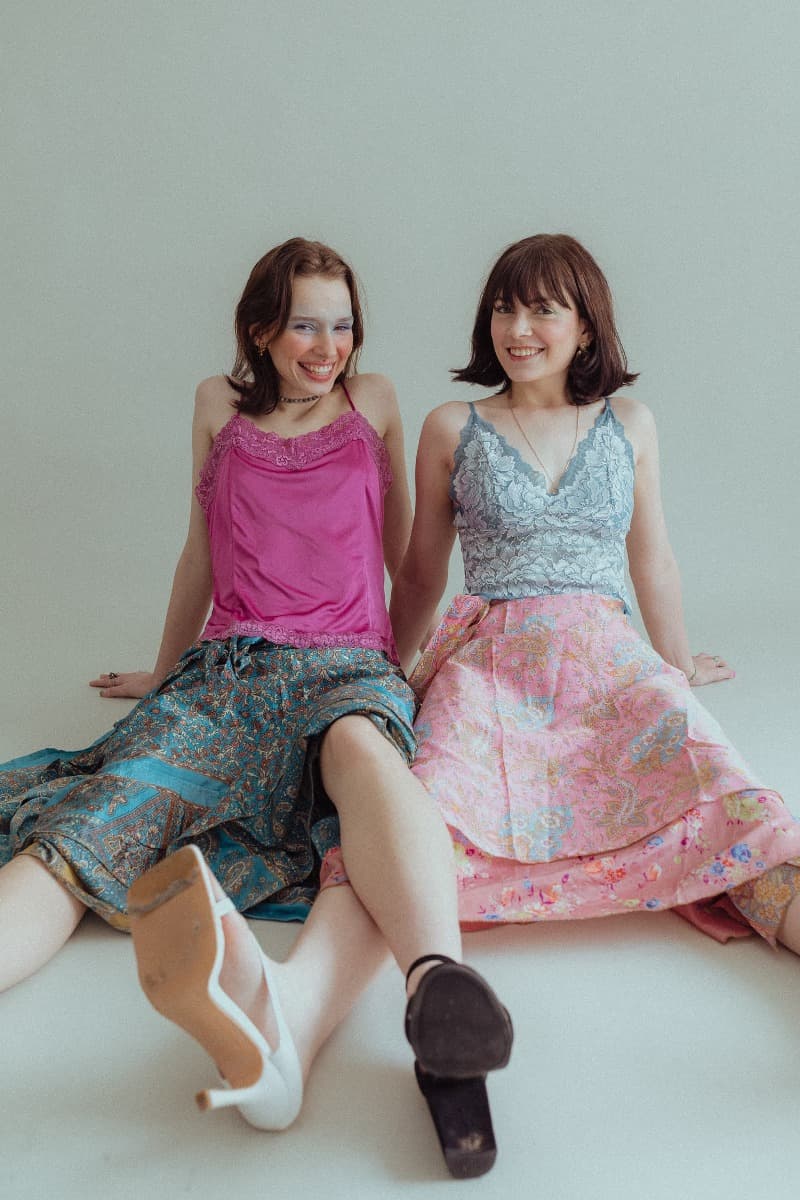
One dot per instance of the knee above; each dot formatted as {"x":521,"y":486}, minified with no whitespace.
{"x":348,"y":741}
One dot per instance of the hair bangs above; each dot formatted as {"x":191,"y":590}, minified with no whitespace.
{"x":533,"y":277}
{"x":554,"y":267}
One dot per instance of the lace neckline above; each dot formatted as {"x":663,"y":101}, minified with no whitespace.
{"x":238,"y":419}
{"x":528,"y":468}
{"x":292,"y":453}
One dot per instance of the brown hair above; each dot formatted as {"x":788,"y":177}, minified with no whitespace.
{"x":265,"y":306}
{"x":552,"y":266}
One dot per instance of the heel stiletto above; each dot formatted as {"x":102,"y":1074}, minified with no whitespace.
{"x":458,"y":1030}
{"x":180,"y":944}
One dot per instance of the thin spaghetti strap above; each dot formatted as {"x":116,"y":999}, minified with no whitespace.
{"x":349,"y":399}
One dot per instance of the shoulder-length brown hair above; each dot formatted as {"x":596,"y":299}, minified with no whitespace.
{"x":264,"y":308}
{"x":552,"y":266}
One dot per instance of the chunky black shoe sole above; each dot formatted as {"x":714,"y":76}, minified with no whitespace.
{"x":458,"y":1030}
{"x":463,"y":1122}
{"x":456,"y":1025}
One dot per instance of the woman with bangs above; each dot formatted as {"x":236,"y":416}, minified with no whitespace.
{"x":574,"y":766}
{"x":268,"y":757}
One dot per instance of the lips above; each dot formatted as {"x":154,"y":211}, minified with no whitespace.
{"x":523,"y":353}
{"x":319,"y":370}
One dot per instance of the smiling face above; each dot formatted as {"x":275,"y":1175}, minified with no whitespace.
{"x":536,"y":341}
{"x":312,"y":350}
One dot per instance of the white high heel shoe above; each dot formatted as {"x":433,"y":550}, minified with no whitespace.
{"x":180,"y":944}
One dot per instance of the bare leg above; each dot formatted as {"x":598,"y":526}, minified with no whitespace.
{"x":395,"y":845}
{"x":399,"y":858}
{"x":337,"y":954}
{"x":37,"y":916}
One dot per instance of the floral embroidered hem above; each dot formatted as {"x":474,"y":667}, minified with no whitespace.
{"x":578,"y":773}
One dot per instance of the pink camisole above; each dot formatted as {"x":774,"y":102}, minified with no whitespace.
{"x":296,"y":534}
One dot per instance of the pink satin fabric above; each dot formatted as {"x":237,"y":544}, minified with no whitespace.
{"x":296,"y":534}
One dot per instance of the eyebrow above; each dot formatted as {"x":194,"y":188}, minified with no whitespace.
{"x":531,"y":300}
{"x":306,"y":317}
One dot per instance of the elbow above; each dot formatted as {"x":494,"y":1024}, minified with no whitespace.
{"x":656,"y":566}
{"x":423,"y":586}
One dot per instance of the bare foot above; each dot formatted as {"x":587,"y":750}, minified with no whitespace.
{"x":216,"y":989}
{"x":242,"y":977}
{"x":241,"y":974}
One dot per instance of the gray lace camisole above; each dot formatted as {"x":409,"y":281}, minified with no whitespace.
{"x":517,"y":540}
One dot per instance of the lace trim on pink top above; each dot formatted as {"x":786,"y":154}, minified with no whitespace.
{"x":284,"y":636}
{"x":293,"y":453}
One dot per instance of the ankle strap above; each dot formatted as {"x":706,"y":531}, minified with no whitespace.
{"x":224,"y":906}
{"x":440,"y":958}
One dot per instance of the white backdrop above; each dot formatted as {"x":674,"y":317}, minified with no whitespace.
{"x":155,"y":150}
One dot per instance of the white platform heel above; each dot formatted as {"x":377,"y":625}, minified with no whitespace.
{"x":180,"y":944}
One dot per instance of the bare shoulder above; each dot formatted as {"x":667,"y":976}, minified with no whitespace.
{"x":214,"y":404}
{"x":448,"y":418}
{"x":373,"y":389}
{"x":441,"y":430}
{"x":637,"y":420}
{"x":375,"y":397}
{"x":633,"y":412}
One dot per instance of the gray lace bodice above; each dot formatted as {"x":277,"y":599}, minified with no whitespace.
{"x":518,"y":540}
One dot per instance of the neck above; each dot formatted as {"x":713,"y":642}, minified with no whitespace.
{"x":544,"y":393}
{"x":296,"y":411}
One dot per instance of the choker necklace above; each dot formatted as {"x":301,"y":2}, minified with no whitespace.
{"x":298,"y":399}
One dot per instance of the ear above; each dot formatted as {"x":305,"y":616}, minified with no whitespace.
{"x":586,"y":337}
{"x":262,"y":335}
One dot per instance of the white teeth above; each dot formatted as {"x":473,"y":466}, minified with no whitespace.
{"x":524,"y":353}
{"x":317,"y":370}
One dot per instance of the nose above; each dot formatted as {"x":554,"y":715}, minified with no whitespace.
{"x":521,"y":323}
{"x":325,"y":343}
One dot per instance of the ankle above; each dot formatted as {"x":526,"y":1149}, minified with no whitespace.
{"x":420,"y":967}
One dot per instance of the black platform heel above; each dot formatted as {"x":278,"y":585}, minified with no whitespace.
{"x":458,"y":1030}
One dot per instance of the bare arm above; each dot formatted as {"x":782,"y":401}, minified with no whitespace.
{"x":653,"y":568}
{"x":191,"y":588}
{"x":397,"y":502}
{"x":374,"y":397}
{"x":190,"y":597}
{"x":422,"y":577}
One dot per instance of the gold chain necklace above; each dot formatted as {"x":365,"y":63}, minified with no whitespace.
{"x":530,"y":444}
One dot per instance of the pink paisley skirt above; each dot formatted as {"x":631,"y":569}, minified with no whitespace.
{"x":578,"y":774}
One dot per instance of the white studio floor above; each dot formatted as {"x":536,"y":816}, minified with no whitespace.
{"x":649,"y":1061}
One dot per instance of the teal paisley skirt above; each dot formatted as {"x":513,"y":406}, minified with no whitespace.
{"x":224,"y":754}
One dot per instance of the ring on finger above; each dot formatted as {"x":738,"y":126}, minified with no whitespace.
{"x":113,"y":675}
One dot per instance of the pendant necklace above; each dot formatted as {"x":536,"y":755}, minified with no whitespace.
{"x":533,"y":450}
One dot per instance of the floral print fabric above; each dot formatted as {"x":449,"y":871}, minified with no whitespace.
{"x":578,"y":773}
{"x":763,"y":901}
{"x":222,"y":754}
